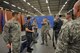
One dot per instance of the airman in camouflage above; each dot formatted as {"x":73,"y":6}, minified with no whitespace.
{"x":48,"y":29}
{"x":69,"y":39}
{"x":35,"y":27}
{"x":11,"y":33}
{"x":44,"y":29}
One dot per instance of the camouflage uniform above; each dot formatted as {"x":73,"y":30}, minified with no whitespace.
{"x":48,"y":30}
{"x":69,"y":39}
{"x":43,"y":32}
{"x":11,"y":33}
{"x":35,"y":30}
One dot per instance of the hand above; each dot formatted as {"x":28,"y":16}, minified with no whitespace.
{"x":32,"y":30}
{"x":46,"y":31}
{"x":8,"y":46}
{"x":37,"y":27}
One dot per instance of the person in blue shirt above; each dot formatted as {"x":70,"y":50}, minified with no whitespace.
{"x":29,"y":32}
{"x":57,"y":26}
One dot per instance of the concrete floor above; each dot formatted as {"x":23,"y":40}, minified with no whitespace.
{"x":38,"y":48}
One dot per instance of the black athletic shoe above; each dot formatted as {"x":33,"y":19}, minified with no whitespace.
{"x":31,"y":48}
{"x":28,"y":50}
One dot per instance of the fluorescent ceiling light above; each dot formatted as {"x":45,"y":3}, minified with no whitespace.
{"x":59,"y":13}
{"x":13,"y":5}
{"x":24,"y":0}
{"x":6,"y":2}
{"x":35,"y":15}
{"x":31,"y":13}
{"x":48,"y":7}
{"x":22,"y":9}
{"x":28,"y":3}
{"x":12,"y":10}
{"x":49,"y":10}
{"x":46,"y":1}
{"x":35,"y":8}
{"x":26,"y":11}
{"x":18,"y":7}
{"x":63,"y":5}
{"x":70,"y":10}
{"x":32,"y":6}
{"x":66,"y":2}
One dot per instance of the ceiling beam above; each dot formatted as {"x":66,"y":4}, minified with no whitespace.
{"x":59,"y":5}
{"x":71,"y":4}
{"x":33,"y":11}
{"x":40,"y":5}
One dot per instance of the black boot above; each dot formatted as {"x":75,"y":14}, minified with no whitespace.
{"x":29,"y":49}
{"x":9,"y":50}
{"x":54,"y":45}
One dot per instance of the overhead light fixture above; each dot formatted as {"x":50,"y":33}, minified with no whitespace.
{"x":31,"y":13}
{"x":70,"y":10}
{"x":28,"y":3}
{"x":49,"y":10}
{"x":42,"y":15}
{"x":48,"y":7}
{"x":6,"y":2}
{"x":63,"y":6}
{"x":22,"y":9}
{"x":18,"y":7}
{"x":66,"y":2}
{"x":32,"y":6}
{"x":12,"y":10}
{"x":35,"y":15}
{"x":13,"y":5}
{"x":35,"y":8}
{"x":26,"y":11}
{"x":59,"y":13}
{"x":24,"y":0}
{"x":46,"y":1}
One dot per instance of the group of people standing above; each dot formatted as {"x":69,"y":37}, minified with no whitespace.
{"x":67,"y":36}
{"x":31,"y":32}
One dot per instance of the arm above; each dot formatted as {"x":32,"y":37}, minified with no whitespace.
{"x":29,"y":30}
{"x":46,"y":27}
{"x":63,"y":40}
{"x":5,"y":33}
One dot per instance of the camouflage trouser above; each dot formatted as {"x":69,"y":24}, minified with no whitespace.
{"x":34,"y":35}
{"x":15,"y":51}
{"x":48,"y":34}
{"x":15,"y":48}
{"x":44,"y":37}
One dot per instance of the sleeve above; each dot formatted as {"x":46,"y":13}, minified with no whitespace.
{"x":26,"y":25}
{"x":5,"y":32}
{"x":63,"y":40}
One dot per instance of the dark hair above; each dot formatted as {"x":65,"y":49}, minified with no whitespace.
{"x":28,"y":17}
{"x":15,"y":13}
{"x":60,"y":15}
